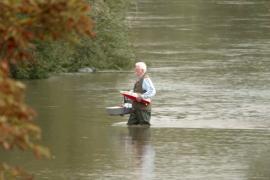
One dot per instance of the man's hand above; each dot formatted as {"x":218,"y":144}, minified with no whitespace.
{"x":139,"y":97}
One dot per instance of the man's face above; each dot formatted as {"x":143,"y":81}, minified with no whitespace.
{"x":138,"y":71}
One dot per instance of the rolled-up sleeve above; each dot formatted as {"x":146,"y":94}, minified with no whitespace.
{"x":149,"y":88}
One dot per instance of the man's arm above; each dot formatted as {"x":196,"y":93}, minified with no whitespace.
{"x":149,"y":88}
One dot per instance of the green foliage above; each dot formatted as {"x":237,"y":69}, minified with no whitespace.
{"x":112,"y":43}
{"x":110,"y":49}
{"x":49,"y":57}
{"x":28,"y":70}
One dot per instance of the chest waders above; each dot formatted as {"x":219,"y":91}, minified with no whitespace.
{"x":141,"y":112}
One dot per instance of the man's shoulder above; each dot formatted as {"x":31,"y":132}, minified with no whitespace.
{"x":147,"y":80}
{"x":146,"y":76}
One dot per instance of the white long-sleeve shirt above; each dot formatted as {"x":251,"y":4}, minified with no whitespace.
{"x":149,"y":87}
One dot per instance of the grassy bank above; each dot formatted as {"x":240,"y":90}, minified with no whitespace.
{"x":110,"y":49}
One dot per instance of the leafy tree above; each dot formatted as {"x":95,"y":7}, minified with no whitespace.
{"x":111,"y":49}
{"x":22,"y":22}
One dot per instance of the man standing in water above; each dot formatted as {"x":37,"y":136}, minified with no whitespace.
{"x":141,"y":113}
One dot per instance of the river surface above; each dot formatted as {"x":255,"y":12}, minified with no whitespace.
{"x":209,"y":61}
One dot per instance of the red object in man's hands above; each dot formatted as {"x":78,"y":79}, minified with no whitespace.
{"x":135,"y":97}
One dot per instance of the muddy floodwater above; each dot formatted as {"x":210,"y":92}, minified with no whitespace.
{"x":210,"y":63}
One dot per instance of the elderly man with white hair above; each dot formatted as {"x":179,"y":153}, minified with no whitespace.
{"x":141,"y":113}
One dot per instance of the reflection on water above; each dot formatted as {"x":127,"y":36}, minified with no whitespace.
{"x":209,"y":61}
{"x":139,"y":143}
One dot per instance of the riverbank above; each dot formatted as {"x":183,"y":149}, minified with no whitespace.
{"x":110,"y":49}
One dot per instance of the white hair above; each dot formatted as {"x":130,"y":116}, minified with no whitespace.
{"x":142,"y":66}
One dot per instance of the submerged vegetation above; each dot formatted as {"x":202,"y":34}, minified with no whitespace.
{"x":110,"y":49}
